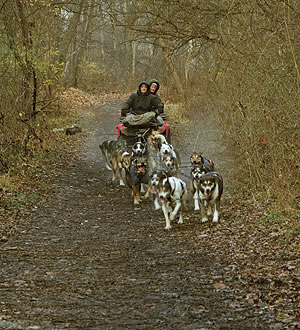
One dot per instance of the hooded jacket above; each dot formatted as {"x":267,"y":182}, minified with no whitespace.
{"x":139,"y":103}
{"x":154,"y":81}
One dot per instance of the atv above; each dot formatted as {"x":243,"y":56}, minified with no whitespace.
{"x":134,"y":127}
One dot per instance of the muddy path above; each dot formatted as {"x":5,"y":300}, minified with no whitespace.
{"x":88,"y":259}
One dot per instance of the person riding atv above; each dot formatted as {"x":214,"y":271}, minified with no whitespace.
{"x":139,"y":114}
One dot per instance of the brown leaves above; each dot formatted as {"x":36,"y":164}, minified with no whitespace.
{"x":219,"y":285}
{"x":75,"y":98}
{"x":259,"y":257}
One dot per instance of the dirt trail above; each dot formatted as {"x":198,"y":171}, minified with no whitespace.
{"x":88,"y":259}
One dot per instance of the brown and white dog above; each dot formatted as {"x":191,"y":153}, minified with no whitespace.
{"x":210,"y":193}
{"x":136,"y":176}
{"x":150,"y":140}
{"x":153,"y":161}
{"x":172,"y":191}
{"x":121,"y":160}
{"x":108,"y":147}
{"x":198,"y":160}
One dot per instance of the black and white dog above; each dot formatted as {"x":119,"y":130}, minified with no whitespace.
{"x":157,"y":177}
{"x":172,"y":191}
{"x":196,"y":173}
{"x":170,"y":164}
{"x":108,"y":147}
{"x":139,"y":149}
{"x":210,"y":193}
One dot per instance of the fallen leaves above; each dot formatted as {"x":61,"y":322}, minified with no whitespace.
{"x":260,"y":258}
{"x":219,"y":286}
{"x":74,"y":98}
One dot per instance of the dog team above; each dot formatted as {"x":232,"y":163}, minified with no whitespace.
{"x":152,"y":167}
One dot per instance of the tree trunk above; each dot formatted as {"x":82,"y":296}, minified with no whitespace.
{"x":30,"y":80}
{"x":82,"y":47}
{"x":67,"y":51}
{"x":133,"y":45}
{"x":174,"y":75}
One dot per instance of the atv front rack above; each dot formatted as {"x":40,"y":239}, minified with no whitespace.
{"x":130,"y":131}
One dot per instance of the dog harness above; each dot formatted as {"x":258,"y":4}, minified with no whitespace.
{"x":173,"y":190}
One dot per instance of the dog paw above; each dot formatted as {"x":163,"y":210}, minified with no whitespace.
{"x":204,"y":219}
{"x":197,"y":208}
{"x":180,"y":222}
{"x":145,"y":196}
{"x":215,"y":220}
{"x":168,"y":227}
{"x":156,"y":208}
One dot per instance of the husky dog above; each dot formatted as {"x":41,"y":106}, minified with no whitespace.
{"x":139,"y":149}
{"x":164,"y":148}
{"x":172,"y":191}
{"x":157,"y":177}
{"x":136,"y":176}
{"x":196,"y":173}
{"x":210,"y":193}
{"x":108,"y":147}
{"x":170,"y":164}
{"x":198,"y":160}
{"x":120,"y":160}
{"x":150,"y":142}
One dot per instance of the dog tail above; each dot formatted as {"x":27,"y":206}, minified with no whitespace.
{"x":105,"y":157}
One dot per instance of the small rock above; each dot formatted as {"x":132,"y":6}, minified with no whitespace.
{"x":73,"y":130}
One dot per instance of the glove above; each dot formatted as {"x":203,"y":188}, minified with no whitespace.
{"x":156,"y":111}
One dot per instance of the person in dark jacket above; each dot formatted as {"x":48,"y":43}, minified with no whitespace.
{"x":154,"y":87}
{"x":139,"y":102}
{"x":142,"y":101}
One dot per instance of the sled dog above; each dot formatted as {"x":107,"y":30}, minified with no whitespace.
{"x":210,"y":193}
{"x":172,"y":193}
{"x":136,"y":176}
{"x":108,"y":147}
{"x":121,"y":160}
{"x":157,"y":177}
{"x":198,"y":160}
